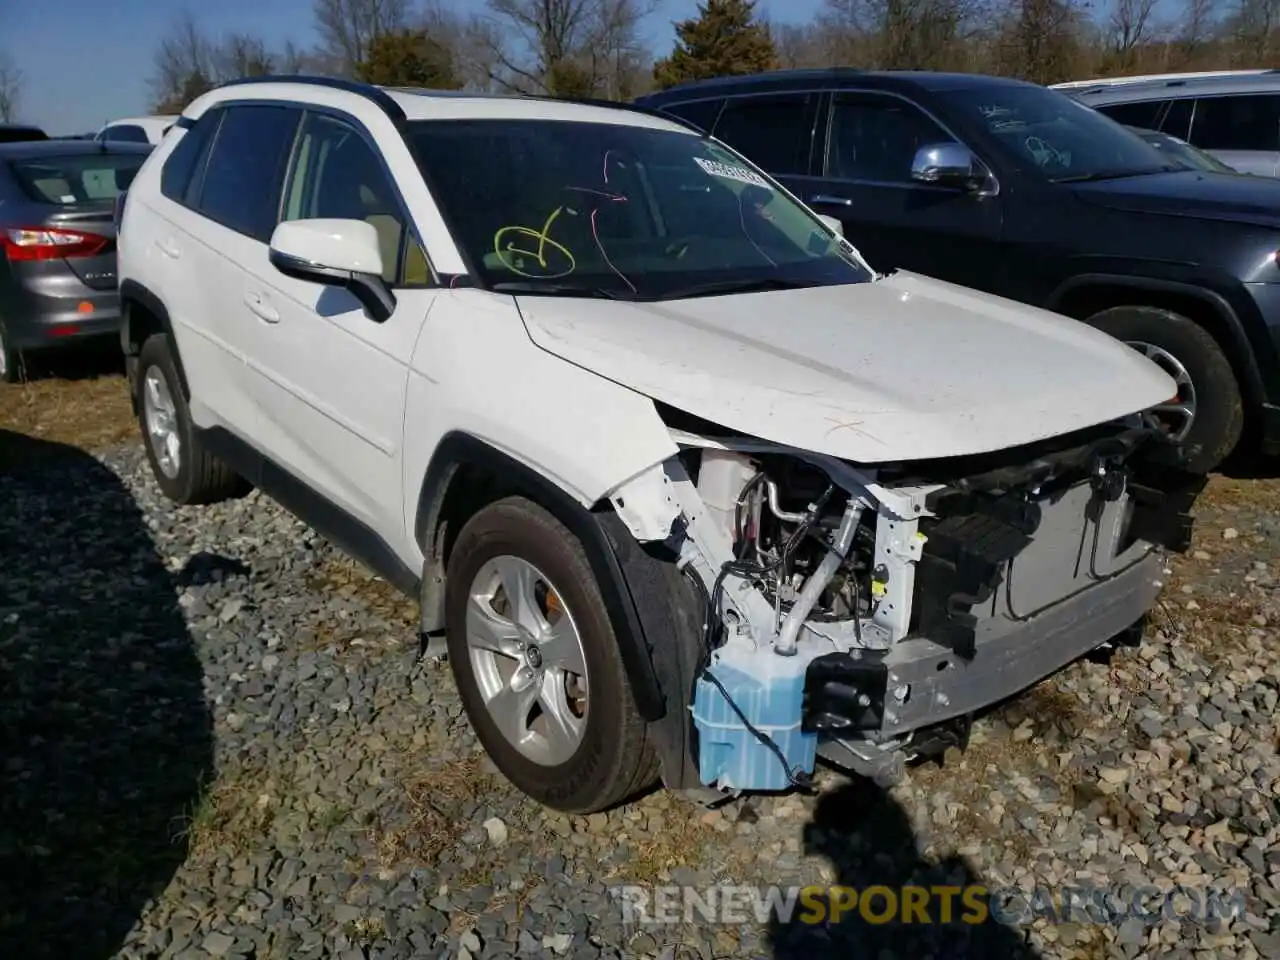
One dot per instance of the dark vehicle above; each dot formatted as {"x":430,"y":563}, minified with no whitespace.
{"x":20,"y":133}
{"x":1193,"y":157}
{"x":57,"y":243}
{"x":1017,"y":190}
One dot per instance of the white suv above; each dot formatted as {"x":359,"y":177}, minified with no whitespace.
{"x":684,"y":488}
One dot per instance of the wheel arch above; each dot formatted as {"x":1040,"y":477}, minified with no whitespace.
{"x":1085,"y":295}
{"x":143,"y":314}
{"x":464,"y":475}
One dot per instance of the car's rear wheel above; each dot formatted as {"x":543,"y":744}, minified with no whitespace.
{"x":1207,"y":414}
{"x":185,"y":471}
{"x":537,"y":664}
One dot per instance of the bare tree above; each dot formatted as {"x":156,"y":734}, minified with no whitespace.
{"x":799,"y":45}
{"x":190,"y":62}
{"x":1040,"y":40}
{"x":1194,"y":31}
{"x":185,"y":64}
{"x":347,"y":27}
{"x":903,"y":34}
{"x":1254,"y":25}
{"x":562,"y":46}
{"x":10,"y":88}
{"x":1129,"y":26}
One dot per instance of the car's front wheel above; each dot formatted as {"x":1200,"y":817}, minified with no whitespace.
{"x":1207,"y":413}
{"x":537,"y":664}
{"x":185,"y":471}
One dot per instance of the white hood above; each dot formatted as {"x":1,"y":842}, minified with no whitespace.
{"x":899,"y":369}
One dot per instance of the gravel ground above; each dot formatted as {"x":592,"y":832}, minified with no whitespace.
{"x":216,"y":742}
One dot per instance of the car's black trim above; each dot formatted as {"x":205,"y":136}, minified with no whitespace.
{"x":131,"y":291}
{"x":370,"y":289}
{"x":311,"y":507}
{"x":380,"y":98}
{"x":1241,"y":348}
{"x":633,"y":642}
{"x":620,"y":105}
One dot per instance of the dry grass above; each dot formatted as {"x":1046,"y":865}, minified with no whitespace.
{"x":81,"y":401}
{"x":234,"y":812}
{"x":681,"y":841}
{"x":432,"y":799}
{"x":343,"y":577}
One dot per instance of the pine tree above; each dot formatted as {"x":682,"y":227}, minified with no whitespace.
{"x":409,"y":58}
{"x":723,"y":40}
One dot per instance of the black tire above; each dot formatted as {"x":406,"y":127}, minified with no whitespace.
{"x":614,"y":760}
{"x":11,"y":368}
{"x":201,"y":477}
{"x":1219,"y":417}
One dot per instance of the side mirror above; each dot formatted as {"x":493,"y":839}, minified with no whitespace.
{"x":836,"y":226}
{"x":947,"y":165}
{"x":338,"y":253}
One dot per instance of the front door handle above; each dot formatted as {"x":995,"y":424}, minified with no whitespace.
{"x":831,"y":198}
{"x":263,"y":310}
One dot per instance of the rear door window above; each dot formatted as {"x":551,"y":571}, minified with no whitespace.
{"x":1239,"y":122}
{"x":775,"y":131}
{"x":82,"y":178}
{"x":1145,"y":114}
{"x":241,"y":187}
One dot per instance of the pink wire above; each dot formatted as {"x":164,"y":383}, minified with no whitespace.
{"x":596,"y":236}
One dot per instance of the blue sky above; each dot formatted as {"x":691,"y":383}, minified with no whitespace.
{"x":86,"y":61}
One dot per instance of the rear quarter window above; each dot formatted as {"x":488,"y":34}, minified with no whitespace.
{"x":181,"y":164}
{"x":76,"y":179}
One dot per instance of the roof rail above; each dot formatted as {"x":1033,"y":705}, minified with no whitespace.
{"x":1156,"y":78}
{"x":784,"y":74}
{"x":376,"y":95}
{"x":657,"y":112}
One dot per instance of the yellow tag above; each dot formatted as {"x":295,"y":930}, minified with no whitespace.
{"x":877,"y":588}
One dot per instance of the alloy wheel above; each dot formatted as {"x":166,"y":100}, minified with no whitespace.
{"x":528,"y":660}
{"x":161,"y":418}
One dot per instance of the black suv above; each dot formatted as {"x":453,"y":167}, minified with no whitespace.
{"x":1020,"y":191}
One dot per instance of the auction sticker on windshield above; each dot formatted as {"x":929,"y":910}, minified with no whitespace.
{"x":731,"y":172}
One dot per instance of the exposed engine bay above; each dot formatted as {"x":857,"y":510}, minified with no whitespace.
{"x":863,"y":615}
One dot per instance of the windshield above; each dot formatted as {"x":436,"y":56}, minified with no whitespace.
{"x":1055,"y":135}
{"x":78,"y":178}
{"x":613,"y":210}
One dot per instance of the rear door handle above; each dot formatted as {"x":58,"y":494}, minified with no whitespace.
{"x":169,"y":248}
{"x":258,"y":304}
{"x":831,"y":198}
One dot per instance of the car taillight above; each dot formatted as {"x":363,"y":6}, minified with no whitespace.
{"x":49,"y":243}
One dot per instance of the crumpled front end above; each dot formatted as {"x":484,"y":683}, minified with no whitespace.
{"x":864,"y":614}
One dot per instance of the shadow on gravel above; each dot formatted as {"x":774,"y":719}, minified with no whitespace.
{"x":104,"y":733}
{"x":89,"y":360}
{"x":868,"y":839}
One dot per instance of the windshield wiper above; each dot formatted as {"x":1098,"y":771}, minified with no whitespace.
{"x":1114,"y":174}
{"x":758,"y":285}
{"x":558,"y":289}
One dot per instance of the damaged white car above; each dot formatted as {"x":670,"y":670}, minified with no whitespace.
{"x":685,"y":490}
